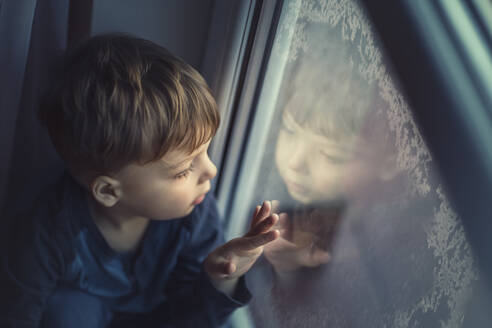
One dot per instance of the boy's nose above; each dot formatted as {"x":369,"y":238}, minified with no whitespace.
{"x":209,"y":172}
{"x":298,"y":158}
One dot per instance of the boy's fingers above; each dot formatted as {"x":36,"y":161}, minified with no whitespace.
{"x":314,"y":257}
{"x":284,"y":225}
{"x":263,"y":226}
{"x":223,"y":268}
{"x":322,"y":257}
{"x":275,"y":206}
{"x":229,"y":268}
{"x":250,"y":243}
{"x":318,"y":258}
{"x":283,"y":221}
{"x":257,"y":210}
{"x":282,"y":245}
{"x":254,"y":221}
{"x":262,"y":213}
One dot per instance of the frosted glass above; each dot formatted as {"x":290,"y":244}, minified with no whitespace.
{"x":369,"y":238}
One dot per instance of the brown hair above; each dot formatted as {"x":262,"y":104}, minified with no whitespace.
{"x":326,"y":92}
{"x":122,"y":100}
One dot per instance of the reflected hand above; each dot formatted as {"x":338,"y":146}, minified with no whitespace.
{"x":295,"y":248}
{"x":233,"y":259}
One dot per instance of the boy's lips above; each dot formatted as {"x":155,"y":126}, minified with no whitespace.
{"x":296,"y":187}
{"x":199,"y":199}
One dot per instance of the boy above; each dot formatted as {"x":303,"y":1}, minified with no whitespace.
{"x":120,"y":240}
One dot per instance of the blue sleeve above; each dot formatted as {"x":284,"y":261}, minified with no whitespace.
{"x":192,"y":300}
{"x":31,"y":265}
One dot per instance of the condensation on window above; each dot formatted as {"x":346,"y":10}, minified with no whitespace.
{"x":369,"y":238}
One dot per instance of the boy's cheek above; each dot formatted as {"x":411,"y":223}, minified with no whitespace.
{"x":359,"y":177}
{"x":326,"y":179}
{"x":162,"y":203}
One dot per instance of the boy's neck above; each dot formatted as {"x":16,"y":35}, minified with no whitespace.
{"x":122,"y":233}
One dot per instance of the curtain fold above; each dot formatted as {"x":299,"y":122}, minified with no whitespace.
{"x":16,"y":18}
{"x":35,"y":36}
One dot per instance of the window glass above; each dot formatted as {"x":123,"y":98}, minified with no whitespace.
{"x":369,"y":238}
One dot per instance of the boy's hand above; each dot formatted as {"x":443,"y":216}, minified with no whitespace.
{"x":286,"y":256}
{"x":233,"y":259}
{"x":297,"y":247}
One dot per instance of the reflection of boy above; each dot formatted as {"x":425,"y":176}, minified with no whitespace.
{"x":334,"y":149}
{"x":133,"y":124}
{"x":325,"y":153}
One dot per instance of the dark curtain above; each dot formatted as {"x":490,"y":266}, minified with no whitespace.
{"x":33,"y":37}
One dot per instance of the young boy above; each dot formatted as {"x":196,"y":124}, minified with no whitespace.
{"x":122,"y":239}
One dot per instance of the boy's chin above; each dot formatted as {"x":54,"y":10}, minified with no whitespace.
{"x":180,"y":215}
{"x":188,"y":211}
{"x":318,"y":199}
{"x":301,"y":199}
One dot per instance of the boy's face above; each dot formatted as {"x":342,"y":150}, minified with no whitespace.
{"x":168,"y":188}
{"x":316,"y":168}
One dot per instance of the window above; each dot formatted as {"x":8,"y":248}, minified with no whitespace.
{"x":369,"y":237}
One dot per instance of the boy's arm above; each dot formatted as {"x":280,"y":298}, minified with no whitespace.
{"x":229,"y":262}
{"x":193,"y":299}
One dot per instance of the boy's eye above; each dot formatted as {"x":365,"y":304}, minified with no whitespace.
{"x":334,"y":159}
{"x":184,"y":173}
{"x":287,"y":128}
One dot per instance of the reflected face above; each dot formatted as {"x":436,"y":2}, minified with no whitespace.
{"x":316,"y":168}
{"x":168,"y":188}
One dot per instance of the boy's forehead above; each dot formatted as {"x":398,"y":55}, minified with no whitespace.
{"x":178,"y":157}
{"x":175,"y":159}
{"x":318,"y":138}
{"x":343,"y":145}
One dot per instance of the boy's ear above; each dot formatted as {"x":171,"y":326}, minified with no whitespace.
{"x":390,"y":169}
{"x":106,"y":190}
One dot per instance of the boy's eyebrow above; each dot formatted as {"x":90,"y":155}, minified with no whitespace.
{"x":287,"y":117}
{"x":179,"y":164}
{"x":186,"y":159}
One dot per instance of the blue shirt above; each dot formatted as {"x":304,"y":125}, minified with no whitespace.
{"x":58,"y":243}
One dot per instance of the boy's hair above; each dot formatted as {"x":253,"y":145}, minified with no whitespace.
{"x":326,"y":92}
{"x":327,"y":97}
{"x":122,"y":100}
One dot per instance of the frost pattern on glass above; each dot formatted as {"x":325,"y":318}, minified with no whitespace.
{"x":413,"y":155}
{"x":454,"y":270}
